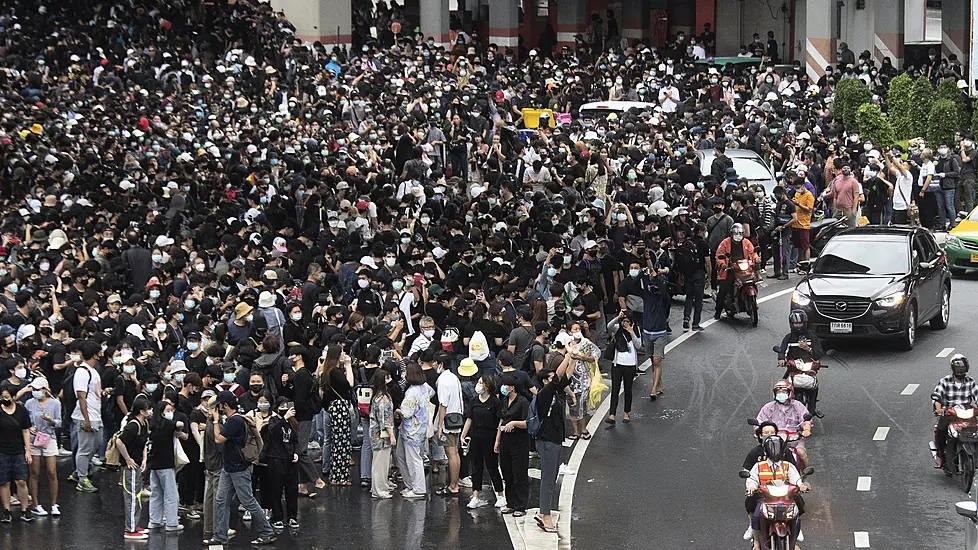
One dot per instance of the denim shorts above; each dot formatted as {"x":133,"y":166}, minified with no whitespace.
{"x":655,"y":342}
{"x":13,"y":468}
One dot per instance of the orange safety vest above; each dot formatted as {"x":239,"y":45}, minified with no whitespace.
{"x":766,"y":474}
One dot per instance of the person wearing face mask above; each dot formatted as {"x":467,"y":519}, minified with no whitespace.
{"x":45,"y":413}
{"x":732,"y":249}
{"x":241,"y":323}
{"x":479,"y":433}
{"x":164,"y":500}
{"x":789,"y":414}
{"x":131,"y":444}
{"x":954,"y":390}
{"x":846,"y":194}
{"x":948,"y":169}
{"x":965,"y":194}
{"x":15,"y":453}
{"x":280,"y":431}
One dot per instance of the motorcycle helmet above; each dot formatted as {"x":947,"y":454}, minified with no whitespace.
{"x":737,"y":232}
{"x":784,"y":387}
{"x":798,"y":320}
{"x":774,"y":448}
{"x":959,"y":364}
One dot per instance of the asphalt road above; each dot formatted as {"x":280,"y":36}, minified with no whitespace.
{"x":669,"y":479}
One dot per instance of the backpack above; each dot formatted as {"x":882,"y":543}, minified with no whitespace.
{"x":253,"y":443}
{"x":70,"y":398}
{"x":112,"y":455}
{"x":533,"y":422}
{"x":364,"y":394}
{"x":685,"y":255}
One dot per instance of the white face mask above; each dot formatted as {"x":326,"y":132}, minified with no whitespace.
{"x":363,"y":283}
{"x":480,"y":389}
{"x":429,"y":332}
{"x":577,"y":335}
{"x":390,"y":261}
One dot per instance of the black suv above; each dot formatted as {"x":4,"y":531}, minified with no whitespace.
{"x":877,"y":282}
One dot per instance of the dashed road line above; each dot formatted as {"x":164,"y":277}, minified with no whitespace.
{"x":881,"y":433}
{"x":910,"y":389}
{"x":945,"y":352}
{"x":861,"y":539}
{"x":863,"y":483}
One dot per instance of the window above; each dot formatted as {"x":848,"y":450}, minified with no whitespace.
{"x":543,"y":8}
{"x":862,"y":257}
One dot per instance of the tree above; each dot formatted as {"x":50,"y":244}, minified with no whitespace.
{"x":942,"y":123}
{"x":948,"y":90}
{"x":900,"y":111}
{"x":850,"y":94}
{"x":874,"y":125}
{"x":923,"y":98}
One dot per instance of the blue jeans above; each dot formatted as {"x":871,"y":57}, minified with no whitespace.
{"x":164,"y":500}
{"x":237,"y":483}
{"x":694,"y":285}
{"x":945,"y":207}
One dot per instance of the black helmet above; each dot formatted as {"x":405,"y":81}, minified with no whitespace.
{"x":959,"y":364}
{"x":774,"y":448}
{"x":798,"y":319}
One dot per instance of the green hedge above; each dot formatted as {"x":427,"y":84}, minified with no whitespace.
{"x":923,"y":99}
{"x":943,"y":121}
{"x":948,"y":90}
{"x":900,"y":109}
{"x":874,"y":125}
{"x":850,"y":95}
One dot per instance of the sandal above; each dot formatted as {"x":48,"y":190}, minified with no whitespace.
{"x":507,"y":510}
{"x":539,"y":520}
{"x":610,"y":420}
{"x":574,"y":437}
{"x":441,"y":491}
{"x":586,"y":435}
{"x":518,"y":513}
{"x":626,"y":420}
{"x":552,"y":529}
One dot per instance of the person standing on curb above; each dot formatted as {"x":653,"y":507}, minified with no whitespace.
{"x":550,"y":408}
{"x":626,"y":344}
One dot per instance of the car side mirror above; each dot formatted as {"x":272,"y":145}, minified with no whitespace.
{"x":808,"y":471}
{"x":744,"y":474}
{"x":967,"y":508}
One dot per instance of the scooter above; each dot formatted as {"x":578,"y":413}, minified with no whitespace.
{"x":778,"y":513}
{"x":802,"y":372}
{"x":789,"y":437}
{"x":743,"y":297}
{"x":823,"y":230}
{"x":961,"y":449}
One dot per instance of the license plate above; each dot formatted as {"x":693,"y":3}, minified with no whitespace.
{"x":840,"y":328}
{"x":974,"y":258}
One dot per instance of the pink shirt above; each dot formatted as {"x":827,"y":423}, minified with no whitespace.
{"x":845,"y":192}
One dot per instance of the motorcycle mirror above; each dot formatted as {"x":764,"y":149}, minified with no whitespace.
{"x":805,"y":265}
{"x":744,"y":474}
{"x":808,"y":471}
{"x":808,"y":416}
{"x":830,"y":352}
{"x":776,"y":349}
{"x":752,"y":421}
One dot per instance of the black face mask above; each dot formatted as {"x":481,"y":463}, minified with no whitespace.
{"x":960,"y":375}
{"x":256,"y":388}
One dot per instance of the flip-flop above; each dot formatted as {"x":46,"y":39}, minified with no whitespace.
{"x":519,"y":513}
{"x":610,"y":420}
{"x":626,"y":420}
{"x":538,"y":520}
{"x":548,"y":529}
{"x":507,"y":510}
{"x":586,"y":435}
{"x":574,"y":437}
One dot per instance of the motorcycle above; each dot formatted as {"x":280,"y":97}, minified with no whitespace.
{"x":743,"y":297}
{"x":778,"y":513}
{"x":962,"y":446}
{"x":822,"y":231}
{"x":790,"y":437}
{"x":802,"y":372}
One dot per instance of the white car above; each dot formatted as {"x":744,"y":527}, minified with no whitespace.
{"x":601,"y":109}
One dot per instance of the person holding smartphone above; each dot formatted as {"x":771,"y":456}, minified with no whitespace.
{"x":281,"y":436}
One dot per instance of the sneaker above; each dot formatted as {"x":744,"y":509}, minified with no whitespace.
{"x":193,"y":514}
{"x":413,"y":495}
{"x":55,"y":510}
{"x":96,"y":461}
{"x":152,"y":525}
{"x":64,"y":452}
{"x":27,"y":516}
{"x":135,"y":535}
{"x":39,"y":511}
{"x":476,"y":503}
{"x":246,"y":516}
{"x":465,"y":482}
{"x":85,"y":486}
{"x":147,"y":491}
{"x":749,"y":533}
{"x":293,"y":523}
{"x":278,"y":525}
{"x":7,"y":517}
{"x":697,"y":328}
{"x":685,"y":325}
{"x":500,"y":502}
{"x":14,"y":501}
{"x":174,"y":528}
{"x":262,"y":541}
{"x":73,"y":477}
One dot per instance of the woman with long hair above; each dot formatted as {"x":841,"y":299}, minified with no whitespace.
{"x":164,"y":500}
{"x":482,"y":422}
{"x":415,"y":418}
{"x":336,"y":383}
{"x":382,"y":437}
{"x":131,"y":445}
{"x":45,"y":411}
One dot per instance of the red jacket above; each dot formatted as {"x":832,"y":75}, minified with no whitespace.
{"x":724,"y":250}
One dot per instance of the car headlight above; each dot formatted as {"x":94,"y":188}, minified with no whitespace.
{"x":952,"y":242}
{"x":800,"y":298}
{"x":891,"y":300}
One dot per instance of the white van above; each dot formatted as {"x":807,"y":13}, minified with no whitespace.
{"x":601,"y":109}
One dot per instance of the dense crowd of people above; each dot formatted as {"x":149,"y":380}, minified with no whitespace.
{"x":223,"y":247}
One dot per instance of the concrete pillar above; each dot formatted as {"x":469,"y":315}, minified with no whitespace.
{"x":889,"y":26}
{"x":956,"y":28}
{"x":635,"y":24}
{"x":819,"y":44}
{"x":504,"y":23}
{"x":572,"y":20}
{"x":434,"y":21}
{"x":328,"y":21}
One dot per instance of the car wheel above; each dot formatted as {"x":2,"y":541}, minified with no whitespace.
{"x":909,"y":336}
{"x":940,"y":320}
{"x":957,"y":271}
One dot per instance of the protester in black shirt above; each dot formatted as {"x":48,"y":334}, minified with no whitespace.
{"x":280,"y":436}
{"x":550,"y":408}
{"x":481,"y":424}
{"x":160,"y":461}
{"x":15,"y":454}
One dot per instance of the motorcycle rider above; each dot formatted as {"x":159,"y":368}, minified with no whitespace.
{"x":789,"y":415}
{"x":773,"y":467}
{"x":954,"y":390}
{"x":808,"y":345}
{"x":756,"y":455}
{"x":731,"y":249}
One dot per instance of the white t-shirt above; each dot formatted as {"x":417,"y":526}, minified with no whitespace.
{"x":903,"y":187}
{"x":927,"y":169}
{"x":666,"y":99}
{"x":450,"y":394}
{"x":87,"y":379}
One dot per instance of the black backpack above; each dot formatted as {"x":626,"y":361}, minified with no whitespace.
{"x":527,"y":365}
{"x":685,"y":257}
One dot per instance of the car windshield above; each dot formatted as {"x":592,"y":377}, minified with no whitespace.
{"x":863,"y":257}
{"x":751,"y":168}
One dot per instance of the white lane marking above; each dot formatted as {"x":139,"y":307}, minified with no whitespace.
{"x":945,"y":352}
{"x":881,"y":433}
{"x":910,"y":389}
{"x":863,"y":483}
{"x":861,"y":539}
{"x":566,"y":499}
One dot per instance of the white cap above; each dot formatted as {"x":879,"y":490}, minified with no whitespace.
{"x":163,"y":240}
{"x":369,"y":262}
